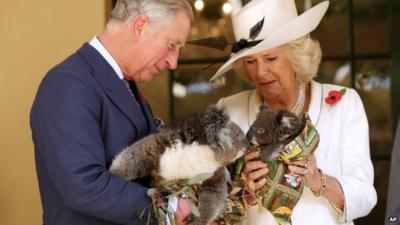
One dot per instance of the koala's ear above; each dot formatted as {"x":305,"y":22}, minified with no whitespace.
{"x":304,"y":118}
{"x":284,"y":118}
{"x":189,"y":134}
{"x":279,"y":117}
{"x":185,"y":127}
{"x":263,"y":108}
{"x":214,"y":120}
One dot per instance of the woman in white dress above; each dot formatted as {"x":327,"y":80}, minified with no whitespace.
{"x":276,"y":54}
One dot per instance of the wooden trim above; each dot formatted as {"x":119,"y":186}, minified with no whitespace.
{"x":109,"y":5}
{"x":394,"y":18}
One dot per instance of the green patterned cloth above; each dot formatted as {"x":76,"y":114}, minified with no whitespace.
{"x":179,"y":188}
{"x":278,"y":195}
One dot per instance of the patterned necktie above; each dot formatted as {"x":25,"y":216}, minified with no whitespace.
{"x":136,"y":102}
{"x":126,"y":82}
{"x":158,"y":122}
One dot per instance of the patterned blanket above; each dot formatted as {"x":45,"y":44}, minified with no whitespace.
{"x":282,"y":191}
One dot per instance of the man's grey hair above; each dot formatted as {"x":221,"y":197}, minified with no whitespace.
{"x":159,"y":12}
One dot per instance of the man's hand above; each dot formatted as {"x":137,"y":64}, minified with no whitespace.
{"x":183,"y":210}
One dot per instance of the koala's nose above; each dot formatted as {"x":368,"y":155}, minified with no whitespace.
{"x":251,"y":137}
{"x":250,"y":134}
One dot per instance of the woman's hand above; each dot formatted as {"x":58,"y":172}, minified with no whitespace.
{"x":254,"y":169}
{"x":309,"y":169}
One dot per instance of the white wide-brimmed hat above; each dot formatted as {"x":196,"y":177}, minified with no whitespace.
{"x":280,"y":24}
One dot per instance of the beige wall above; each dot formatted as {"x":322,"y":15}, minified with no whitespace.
{"x":34,"y":35}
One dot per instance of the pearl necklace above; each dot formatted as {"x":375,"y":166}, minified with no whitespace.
{"x":301,"y":99}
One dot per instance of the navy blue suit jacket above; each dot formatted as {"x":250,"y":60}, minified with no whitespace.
{"x":82,"y":117}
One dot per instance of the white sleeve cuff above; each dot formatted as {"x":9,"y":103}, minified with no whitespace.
{"x":173,"y":205}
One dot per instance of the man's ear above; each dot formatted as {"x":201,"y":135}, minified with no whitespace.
{"x":139,"y":25}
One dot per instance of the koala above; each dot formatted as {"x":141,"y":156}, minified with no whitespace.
{"x":204,"y":142}
{"x":273,"y":129}
{"x":271,"y":132}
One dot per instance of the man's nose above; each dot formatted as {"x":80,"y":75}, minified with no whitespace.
{"x":172,"y":60}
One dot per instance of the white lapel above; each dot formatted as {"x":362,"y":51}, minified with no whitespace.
{"x":314,"y":109}
{"x":255,"y":102}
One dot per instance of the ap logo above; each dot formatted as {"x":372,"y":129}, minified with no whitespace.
{"x":393,"y":219}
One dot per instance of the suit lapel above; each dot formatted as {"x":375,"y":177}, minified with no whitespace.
{"x":145,"y":107}
{"x":314,"y":108}
{"x":114,"y":88}
{"x":255,"y":101}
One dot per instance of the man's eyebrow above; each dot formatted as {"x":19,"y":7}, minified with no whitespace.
{"x":176,"y":42}
{"x":180,"y":43}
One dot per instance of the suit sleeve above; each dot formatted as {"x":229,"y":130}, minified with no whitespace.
{"x":393,"y":198}
{"x":65,"y":121}
{"x":357,"y":169}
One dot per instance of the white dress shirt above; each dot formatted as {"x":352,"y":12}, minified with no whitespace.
{"x":95,"y":43}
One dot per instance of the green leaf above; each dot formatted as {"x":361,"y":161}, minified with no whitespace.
{"x":200,"y":178}
{"x":239,"y":165}
{"x":191,"y":194}
{"x":169,"y":188}
{"x":194,"y":209}
{"x":161,"y":214}
{"x":164,"y":206}
{"x":184,"y":189}
{"x":236,"y":210}
{"x":151,"y":192}
{"x":281,"y":220}
{"x":142,"y":213}
{"x":343,"y":91}
{"x":173,"y":220}
{"x":148,"y":218}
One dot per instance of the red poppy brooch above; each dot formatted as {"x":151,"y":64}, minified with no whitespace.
{"x":334,"y":96}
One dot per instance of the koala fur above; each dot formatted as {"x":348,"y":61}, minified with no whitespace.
{"x":204,"y":142}
{"x":273,"y":129}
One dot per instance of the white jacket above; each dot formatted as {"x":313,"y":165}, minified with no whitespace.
{"x":343,"y":152}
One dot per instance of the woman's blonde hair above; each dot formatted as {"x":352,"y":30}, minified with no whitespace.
{"x":304,"y":54}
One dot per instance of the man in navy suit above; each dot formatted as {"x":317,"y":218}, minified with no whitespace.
{"x":84,"y":114}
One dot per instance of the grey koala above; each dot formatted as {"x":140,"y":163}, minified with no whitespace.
{"x":273,"y":129}
{"x":204,"y":142}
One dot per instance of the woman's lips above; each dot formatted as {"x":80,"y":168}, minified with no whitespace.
{"x":267,"y":83}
